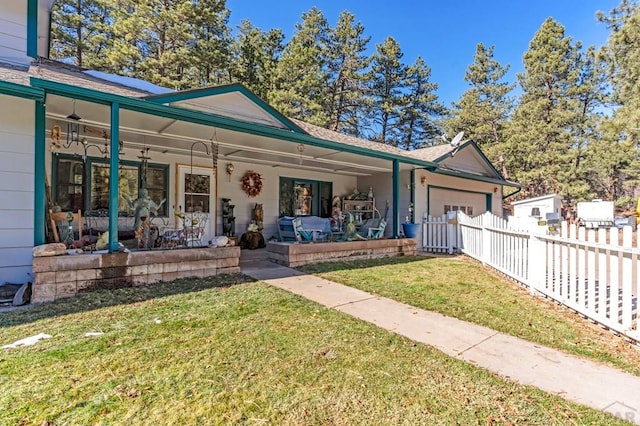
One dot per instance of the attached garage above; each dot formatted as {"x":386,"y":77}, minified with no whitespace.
{"x":443,"y":200}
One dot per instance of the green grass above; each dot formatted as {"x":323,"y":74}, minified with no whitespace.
{"x":462,"y":288}
{"x":231,"y":351}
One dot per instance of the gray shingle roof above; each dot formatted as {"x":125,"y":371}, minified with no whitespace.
{"x":72,"y":75}
{"x":432,"y":153}
{"x":428,"y":154}
{"x":14,"y":74}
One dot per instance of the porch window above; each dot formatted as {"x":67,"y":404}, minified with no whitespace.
{"x":301,"y":197}
{"x":70,"y":174}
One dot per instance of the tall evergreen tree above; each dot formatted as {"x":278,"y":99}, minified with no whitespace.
{"x":586,"y":132}
{"x":152,"y":41}
{"x":420,"y":111}
{"x":483,"y":110}
{"x":387,"y":77}
{"x":256,"y":56}
{"x":346,"y":64}
{"x":80,"y":32}
{"x":301,"y":78}
{"x":539,"y":143}
{"x":210,"y":45}
{"x":622,"y":55}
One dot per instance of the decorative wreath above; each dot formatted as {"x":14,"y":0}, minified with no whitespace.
{"x":252,"y":183}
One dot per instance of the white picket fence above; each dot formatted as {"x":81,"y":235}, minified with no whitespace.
{"x":440,"y":233}
{"x":588,"y":271}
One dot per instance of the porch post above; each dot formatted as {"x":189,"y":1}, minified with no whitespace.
{"x":39,"y":195}
{"x":396,"y":199}
{"x":114,"y":177}
{"x":412,"y":195}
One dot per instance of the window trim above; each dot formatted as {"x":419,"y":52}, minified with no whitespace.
{"x":316,"y":200}
{"x":86,"y":196}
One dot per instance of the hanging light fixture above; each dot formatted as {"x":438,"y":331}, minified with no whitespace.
{"x":229,"y":171}
{"x":73,"y":127}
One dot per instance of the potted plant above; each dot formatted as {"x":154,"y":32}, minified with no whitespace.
{"x":410,"y":228}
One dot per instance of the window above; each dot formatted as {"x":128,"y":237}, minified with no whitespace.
{"x":299,"y":197}
{"x":196,"y":193}
{"x":70,"y":175}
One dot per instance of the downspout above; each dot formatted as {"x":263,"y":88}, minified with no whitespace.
{"x":412,"y":195}
{"x":396,"y":199}
{"x":114,"y":178}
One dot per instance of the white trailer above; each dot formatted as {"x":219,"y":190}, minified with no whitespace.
{"x":595,"y":214}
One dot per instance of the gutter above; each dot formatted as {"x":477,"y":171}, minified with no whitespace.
{"x":518,"y":189}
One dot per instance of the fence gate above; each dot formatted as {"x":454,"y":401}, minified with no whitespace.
{"x":441,"y":234}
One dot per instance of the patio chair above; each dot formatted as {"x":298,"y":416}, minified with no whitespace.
{"x":377,"y":232}
{"x":373,"y":228}
{"x":62,"y":226}
{"x":286,"y":230}
{"x":195,"y":227}
{"x":302,"y":236}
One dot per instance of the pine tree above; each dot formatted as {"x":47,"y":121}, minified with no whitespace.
{"x":346,"y":64}
{"x":622,"y":55}
{"x":301,"y":78}
{"x":484,"y":109}
{"x":588,"y":163}
{"x":256,"y":56}
{"x":387,"y":78}
{"x":152,"y":41}
{"x":80,"y":32}
{"x":210,"y":61}
{"x":420,"y":111}
{"x":540,"y":140}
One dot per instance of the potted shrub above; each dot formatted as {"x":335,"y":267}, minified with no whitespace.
{"x":410,"y":228}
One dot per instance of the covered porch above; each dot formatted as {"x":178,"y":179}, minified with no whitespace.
{"x":184,"y":156}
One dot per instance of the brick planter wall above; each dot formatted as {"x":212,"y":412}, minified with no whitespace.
{"x":65,"y":276}
{"x":292,"y":255}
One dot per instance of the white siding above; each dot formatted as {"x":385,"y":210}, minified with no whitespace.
{"x":16,"y":188}
{"x":269,"y":197}
{"x":13,"y":32}
{"x":382,"y":184}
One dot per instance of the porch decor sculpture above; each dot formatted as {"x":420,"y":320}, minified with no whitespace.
{"x":228,"y":219}
{"x":258,"y":216}
{"x":144,"y":206}
{"x":252,"y":183}
{"x":350,"y":232}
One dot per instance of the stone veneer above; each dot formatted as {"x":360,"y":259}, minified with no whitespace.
{"x":65,"y":276}
{"x":295,"y":254}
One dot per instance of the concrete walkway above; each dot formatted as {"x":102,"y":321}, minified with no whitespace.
{"x":575,"y":379}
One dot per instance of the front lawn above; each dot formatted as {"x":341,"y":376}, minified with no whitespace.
{"x":230,"y":351}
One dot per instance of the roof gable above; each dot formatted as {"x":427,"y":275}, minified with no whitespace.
{"x":466,"y":158}
{"x":232,"y":100}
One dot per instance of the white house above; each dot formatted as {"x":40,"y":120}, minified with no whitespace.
{"x":85,"y":140}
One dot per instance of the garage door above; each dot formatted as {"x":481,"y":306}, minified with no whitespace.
{"x":442,"y":200}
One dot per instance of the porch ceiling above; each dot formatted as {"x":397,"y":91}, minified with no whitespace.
{"x":172,"y":136}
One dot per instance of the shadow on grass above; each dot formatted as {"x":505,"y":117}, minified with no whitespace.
{"x":104,"y":298}
{"x":360,"y":264}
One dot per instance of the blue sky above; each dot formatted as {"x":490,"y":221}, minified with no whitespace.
{"x":443,"y":33}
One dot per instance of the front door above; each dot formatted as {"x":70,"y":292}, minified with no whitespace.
{"x":196,"y":199}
